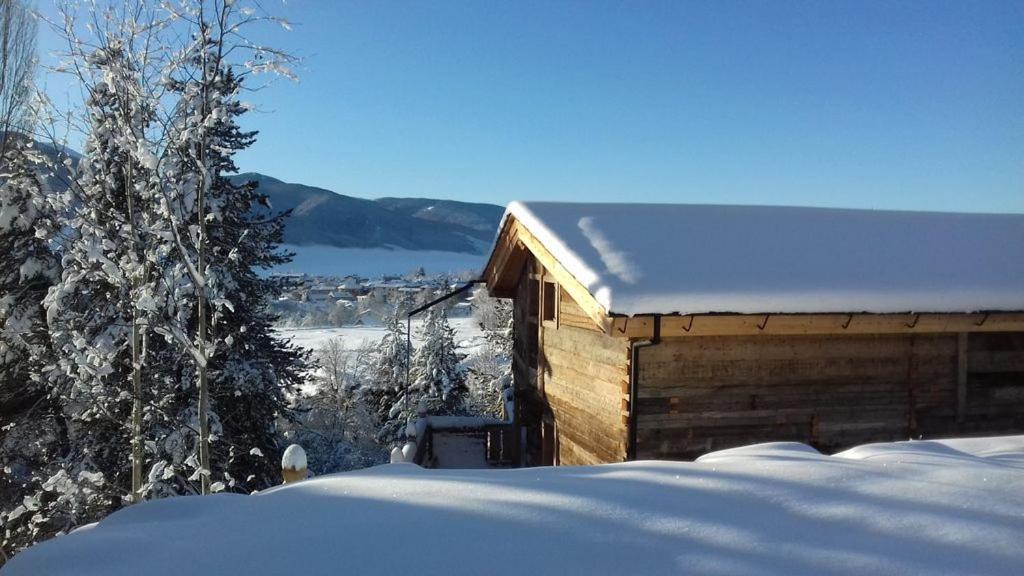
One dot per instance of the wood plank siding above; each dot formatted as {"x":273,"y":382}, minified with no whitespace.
{"x":585,"y":373}
{"x":572,"y":382}
{"x":831,"y":391}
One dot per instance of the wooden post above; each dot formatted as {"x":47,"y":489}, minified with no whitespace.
{"x":293,"y":464}
{"x":541,"y":361}
{"x":492,"y":436}
{"x":961,"y":377}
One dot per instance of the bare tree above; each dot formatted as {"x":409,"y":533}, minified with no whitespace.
{"x":17,"y":68}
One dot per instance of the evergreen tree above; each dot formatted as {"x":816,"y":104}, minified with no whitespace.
{"x":32,"y":435}
{"x":156,"y":241}
{"x":27,"y":269}
{"x":253,"y":368}
{"x":386,"y":395}
{"x":437,"y":374}
{"x":88,"y":376}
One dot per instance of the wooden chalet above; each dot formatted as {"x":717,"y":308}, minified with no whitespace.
{"x":668,"y":331}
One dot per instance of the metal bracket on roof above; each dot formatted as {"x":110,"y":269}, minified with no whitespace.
{"x":848,"y":320}
{"x":625,"y":324}
{"x":764,"y":323}
{"x":983,"y":319}
{"x":688,"y":326}
{"x":914,"y":323}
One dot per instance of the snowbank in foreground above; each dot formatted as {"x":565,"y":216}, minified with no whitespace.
{"x":949,"y":507}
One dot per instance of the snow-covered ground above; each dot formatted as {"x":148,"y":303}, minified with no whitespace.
{"x":952,"y":507}
{"x":373,"y":262}
{"x":468,"y":335}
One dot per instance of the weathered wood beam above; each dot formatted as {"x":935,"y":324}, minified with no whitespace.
{"x":505,"y":263}
{"x":576,"y":290}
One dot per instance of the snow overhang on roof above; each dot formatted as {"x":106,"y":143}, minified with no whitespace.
{"x":640,"y":259}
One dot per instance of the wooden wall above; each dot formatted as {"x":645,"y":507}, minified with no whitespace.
{"x":576,"y":384}
{"x":522,"y":371}
{"x":701,"y":394}
{"x":995,"y":383}
{"x":585,"y":374}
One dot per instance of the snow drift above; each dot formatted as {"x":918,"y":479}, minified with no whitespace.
{"x":934,"y":507}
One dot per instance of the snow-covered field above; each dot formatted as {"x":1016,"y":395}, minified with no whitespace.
{"x":468,"y":335}
{"x":949,"y":507}
{"x":373,"y":262}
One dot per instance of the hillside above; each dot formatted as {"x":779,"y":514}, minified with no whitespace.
{"x":482,"y":217}
{"x":323,"y":217}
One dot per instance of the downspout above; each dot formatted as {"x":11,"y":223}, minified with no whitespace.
{"x":634,"y":384}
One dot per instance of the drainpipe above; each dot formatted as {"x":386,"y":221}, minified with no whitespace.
{"x":634,"y":384}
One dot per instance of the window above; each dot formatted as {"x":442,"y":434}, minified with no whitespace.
{"x":550,"y":301}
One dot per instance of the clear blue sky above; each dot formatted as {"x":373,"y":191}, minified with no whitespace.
{"x":914,"y":105}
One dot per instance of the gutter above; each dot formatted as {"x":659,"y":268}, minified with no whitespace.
{"x":634,"y":384}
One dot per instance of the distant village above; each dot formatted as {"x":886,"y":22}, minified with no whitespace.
{"x":307,"y":300}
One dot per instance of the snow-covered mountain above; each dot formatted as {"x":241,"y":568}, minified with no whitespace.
{"x":325,"y":218}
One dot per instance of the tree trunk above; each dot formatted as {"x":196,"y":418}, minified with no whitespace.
{"x":136,"y":346}
{"x":136,"y":412}
{"x":204,"y":405}
{"x":204,"y":390}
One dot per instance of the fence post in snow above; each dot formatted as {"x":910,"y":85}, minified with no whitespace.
{"x":293,"y":464}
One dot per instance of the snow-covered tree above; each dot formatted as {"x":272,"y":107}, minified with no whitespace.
{"x":223,"y":233}
{"x":335,"y":426}
{"x":32,"y":435}
{"x":100,"y":309}
{"x":27,"y":269}
{"x":27,"y":265}
{"x":159,"y":291}
{"x":489,"y":369}
{"x":386,"y":393}
{"x":437,"y":373}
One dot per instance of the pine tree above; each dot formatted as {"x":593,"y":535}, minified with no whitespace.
{"x":33,"y":435}
{"x":490,"y":367}
{"x":27,"y":269}
{"x":253,"y":368}
{"x":386,"y":395}
{"x":142,"y":254}
{"x":436,"y":370}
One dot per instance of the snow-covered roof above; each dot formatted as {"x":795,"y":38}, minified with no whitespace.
{"x":694,"y":259}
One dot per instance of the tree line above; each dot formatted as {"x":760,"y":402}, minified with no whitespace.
{"x":138,"y":357}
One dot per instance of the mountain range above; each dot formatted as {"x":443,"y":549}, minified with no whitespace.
{"x":326,"y":218}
